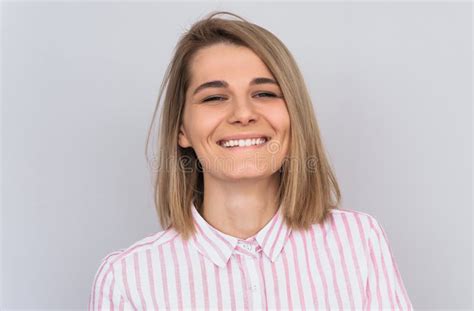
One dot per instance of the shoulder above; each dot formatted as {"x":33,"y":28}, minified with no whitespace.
{"x":141,"y":246}
{"x":349,"y":221}
{"x":344,"y":214}
{"x":109,"y":273}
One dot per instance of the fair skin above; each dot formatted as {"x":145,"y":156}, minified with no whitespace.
{"x":240,"y":183}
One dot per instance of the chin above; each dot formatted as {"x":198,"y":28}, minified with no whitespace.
{"x":247,"y":174}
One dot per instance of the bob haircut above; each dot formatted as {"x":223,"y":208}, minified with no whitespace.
{"x":308,"y":188}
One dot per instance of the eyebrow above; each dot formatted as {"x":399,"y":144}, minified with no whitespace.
{"x":224,"y":84}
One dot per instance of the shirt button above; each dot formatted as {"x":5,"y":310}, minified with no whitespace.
{"x":246,"y":246}
{"x":253,"y":288}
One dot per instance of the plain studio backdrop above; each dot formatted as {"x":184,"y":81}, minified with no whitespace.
{"x":390,"y":82}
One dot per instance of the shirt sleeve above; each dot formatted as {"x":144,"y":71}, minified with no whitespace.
{"x":106,"y":293}
{"x":385,"y":289}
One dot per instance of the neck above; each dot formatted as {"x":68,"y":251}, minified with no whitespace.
{"x":240,"y":208}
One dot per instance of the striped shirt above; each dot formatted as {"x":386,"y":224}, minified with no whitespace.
{"x":345,"y":263}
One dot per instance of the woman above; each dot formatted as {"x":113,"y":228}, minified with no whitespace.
{"x":246,"y":193}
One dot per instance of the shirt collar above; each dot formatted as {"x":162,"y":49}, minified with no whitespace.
{"x":218,"y":246}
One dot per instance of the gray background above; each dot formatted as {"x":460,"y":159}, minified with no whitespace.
{"x":391,"y":84}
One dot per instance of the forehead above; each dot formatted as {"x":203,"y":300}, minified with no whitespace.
{"x":226,"y":61}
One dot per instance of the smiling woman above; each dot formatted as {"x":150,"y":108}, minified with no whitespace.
{"x":246,"y":194}
{"x":237,"y":126}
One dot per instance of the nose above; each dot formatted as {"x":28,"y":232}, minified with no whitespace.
{"x":243,"y":112}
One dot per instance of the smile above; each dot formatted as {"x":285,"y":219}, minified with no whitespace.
{"x":243,"y":143}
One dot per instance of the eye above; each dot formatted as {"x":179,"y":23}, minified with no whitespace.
{"x":213,"y":98}
{"x":265,"y":94}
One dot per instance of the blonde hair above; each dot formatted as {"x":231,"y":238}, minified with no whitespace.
{"x":308,"y":188}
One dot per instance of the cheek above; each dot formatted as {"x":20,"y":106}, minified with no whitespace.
{"x":279,"y":118}
{"x":201,"y":125}
{"x":280,"y":121}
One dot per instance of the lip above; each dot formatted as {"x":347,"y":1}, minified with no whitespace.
{"x":251,"y":147}
{"x":244,"y":136}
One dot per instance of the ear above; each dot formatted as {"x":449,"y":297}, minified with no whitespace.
{"x":183,"y":139}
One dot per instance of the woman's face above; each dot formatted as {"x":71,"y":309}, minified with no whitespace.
{"x":232,"y":94}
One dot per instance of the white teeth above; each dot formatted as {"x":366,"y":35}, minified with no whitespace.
{"x":243,"y":142}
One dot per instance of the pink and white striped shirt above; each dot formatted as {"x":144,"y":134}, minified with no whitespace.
{"x":343,"y":264}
